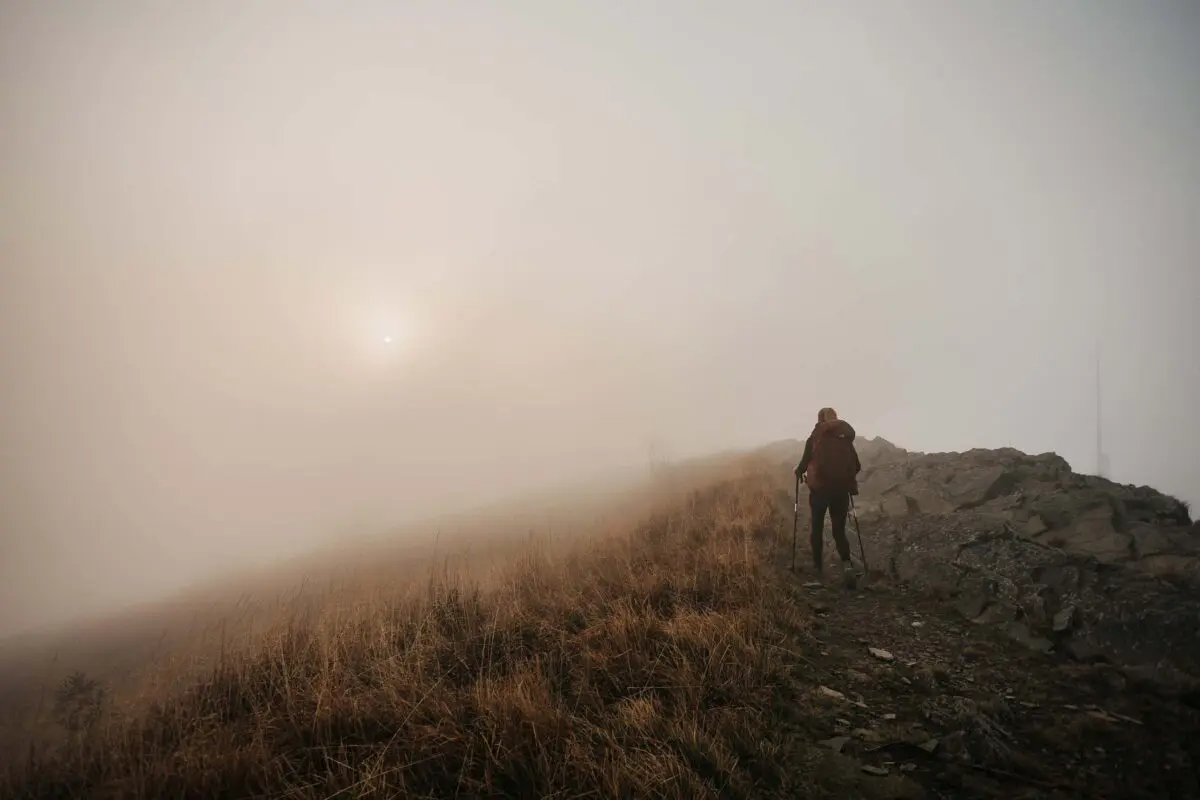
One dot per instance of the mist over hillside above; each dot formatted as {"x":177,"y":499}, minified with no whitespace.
{"x":387,"y":386}
{"x":1048,"y":660}
{"x":274,"y":278}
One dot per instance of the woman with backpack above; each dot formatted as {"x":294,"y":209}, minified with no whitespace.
{"x":830,"y":467}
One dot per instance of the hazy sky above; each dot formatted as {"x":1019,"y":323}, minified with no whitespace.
{"x":586,"y":224}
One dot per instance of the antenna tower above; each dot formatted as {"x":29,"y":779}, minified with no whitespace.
{"x":1101,"y":457}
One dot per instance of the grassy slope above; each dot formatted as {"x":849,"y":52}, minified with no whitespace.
{"x":652,"y":663}
{"x":142,"y":652}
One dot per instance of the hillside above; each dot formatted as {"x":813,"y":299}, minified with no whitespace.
{"x":677,"y":656}
{"x":161,"y":645}
{"x":1058,"y":560}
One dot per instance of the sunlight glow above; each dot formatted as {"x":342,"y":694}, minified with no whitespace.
{"x":391,"y":334}
{"x":385,"y":330}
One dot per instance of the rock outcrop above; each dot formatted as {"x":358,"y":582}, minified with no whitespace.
{"x":1061,"y":561}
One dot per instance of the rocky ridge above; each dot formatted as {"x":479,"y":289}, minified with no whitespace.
{"x":1059,"y":561}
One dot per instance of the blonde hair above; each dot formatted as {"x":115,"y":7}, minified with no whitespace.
{"x":826,"y":415}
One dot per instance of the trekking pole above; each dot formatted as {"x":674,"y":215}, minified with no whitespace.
{"x":795,"y":521}
{"x":862,"y":550}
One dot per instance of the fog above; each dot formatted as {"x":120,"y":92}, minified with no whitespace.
{"x":585,"y":227}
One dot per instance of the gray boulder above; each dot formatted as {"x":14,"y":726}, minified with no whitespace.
{"x":1043,"y":500}
{"x":1040,"y":595}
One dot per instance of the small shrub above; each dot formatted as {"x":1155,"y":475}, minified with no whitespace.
{"x":78,"y":702}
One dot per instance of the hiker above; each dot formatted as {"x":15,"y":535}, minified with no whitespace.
{"x":830,"y":467}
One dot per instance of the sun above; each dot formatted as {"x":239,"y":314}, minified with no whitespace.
{"x":393,"y":334}
{"x":386,"y":334}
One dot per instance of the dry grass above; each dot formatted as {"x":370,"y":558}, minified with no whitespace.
{"x":655,"y":662}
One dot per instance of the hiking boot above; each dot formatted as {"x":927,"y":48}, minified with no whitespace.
{"x":849,"y":576}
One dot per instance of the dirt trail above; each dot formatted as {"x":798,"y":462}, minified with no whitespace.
{"x":966,"y":712}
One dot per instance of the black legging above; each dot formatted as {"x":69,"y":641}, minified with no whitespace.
{"x":838,"y":506}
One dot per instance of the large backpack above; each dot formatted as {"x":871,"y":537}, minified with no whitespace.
{"x":833,"y":466}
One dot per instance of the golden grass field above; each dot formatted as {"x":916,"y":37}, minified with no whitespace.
{"x":651,"y":660}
